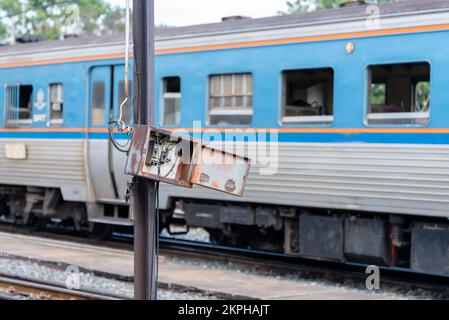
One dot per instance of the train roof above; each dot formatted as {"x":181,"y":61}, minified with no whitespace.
{"x":350,"y":13}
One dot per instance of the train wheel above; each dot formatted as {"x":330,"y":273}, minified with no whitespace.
{"x":219,"y":236}
{"x":216,"y":236}
{"x":99,"y":231}
{"x":33,"y":224}
{"x":4,"y":209}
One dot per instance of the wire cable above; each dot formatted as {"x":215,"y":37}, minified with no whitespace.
{"x":156,"y":209}
{"x":156,"y":240}
{"x":124,"y":148}
{"x":121,"y":123}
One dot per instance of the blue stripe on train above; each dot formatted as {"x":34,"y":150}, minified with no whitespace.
{"x":42,"y":135}
{"x":388,"y":138}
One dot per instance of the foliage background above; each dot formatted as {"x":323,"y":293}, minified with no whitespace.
{"x":54,"y":19}
{"x":311,"y":5}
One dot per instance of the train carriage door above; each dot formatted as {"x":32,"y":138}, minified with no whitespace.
{"x":100,"y":102}
{"x":119,"y":158}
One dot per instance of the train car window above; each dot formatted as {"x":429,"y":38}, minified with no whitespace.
{"x":308,"y":96}
{"x":422,"y":96}
{"x":378,"y":93}
{"x":98,"y":103}
{"x":127,"y":107}
{"x":231,"y":99}
{"x":56,"y":103}
{"x":171,"y":99}
{"x":399,"y":94}
{"x":18,"y":105}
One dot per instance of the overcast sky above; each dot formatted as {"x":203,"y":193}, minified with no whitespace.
{"x":188,"y":12}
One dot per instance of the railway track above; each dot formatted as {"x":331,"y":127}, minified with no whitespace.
{"x":279,"y":264}
{"x":335,"y":273}
{"x":30,"y":288}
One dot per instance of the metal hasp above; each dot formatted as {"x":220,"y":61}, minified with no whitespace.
{"x":165,"y":156}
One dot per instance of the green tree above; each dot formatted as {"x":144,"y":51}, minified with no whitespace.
{"x":311,"y":5}
{"x":3,"y":32}
{"x":114,"y":21}
{"x":54,"y":18}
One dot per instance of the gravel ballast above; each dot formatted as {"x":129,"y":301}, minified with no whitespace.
{"x":87,"y":281}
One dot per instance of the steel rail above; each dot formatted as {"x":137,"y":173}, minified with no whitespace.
{"x":19,"y":286}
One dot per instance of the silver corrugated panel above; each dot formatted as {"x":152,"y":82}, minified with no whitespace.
{"x":49,"y":163}
{"x":408,"y":179}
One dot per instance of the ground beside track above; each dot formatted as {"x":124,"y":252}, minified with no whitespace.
{"x":205,"y":278}
{"x":33,"y":271}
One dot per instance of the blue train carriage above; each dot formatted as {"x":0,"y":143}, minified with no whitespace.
{"x":358,"y":106}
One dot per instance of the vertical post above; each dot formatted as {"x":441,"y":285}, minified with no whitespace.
{"x":144,"y":191}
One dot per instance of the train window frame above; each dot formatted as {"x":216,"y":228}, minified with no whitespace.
{"x":16,"y":122}
{"x":94,"y":124}
{"x":170,"y":95}
{"x":55,"y":121}
{"x":234,"y":112}
{"x":306,"y":120}
{"x":393,"y":119}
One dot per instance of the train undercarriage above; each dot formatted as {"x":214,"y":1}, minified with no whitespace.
{"x":420,"y":244}
{"x":32,"y":207}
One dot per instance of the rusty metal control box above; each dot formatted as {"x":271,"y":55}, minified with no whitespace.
{"x":164,"y":156}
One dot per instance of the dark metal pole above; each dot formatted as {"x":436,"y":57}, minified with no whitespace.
{"x":144,"y":191}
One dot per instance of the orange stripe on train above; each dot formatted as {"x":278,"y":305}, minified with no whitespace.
{"x":346,"y":35}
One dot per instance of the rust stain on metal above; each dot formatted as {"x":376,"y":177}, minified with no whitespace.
{"x":137,"y":150}
{"x":204,"y":178}
{"x":225,"y":172}
{"x":208,"y":167}
{"x":215,"y":185}
{"x":230,"y":185}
